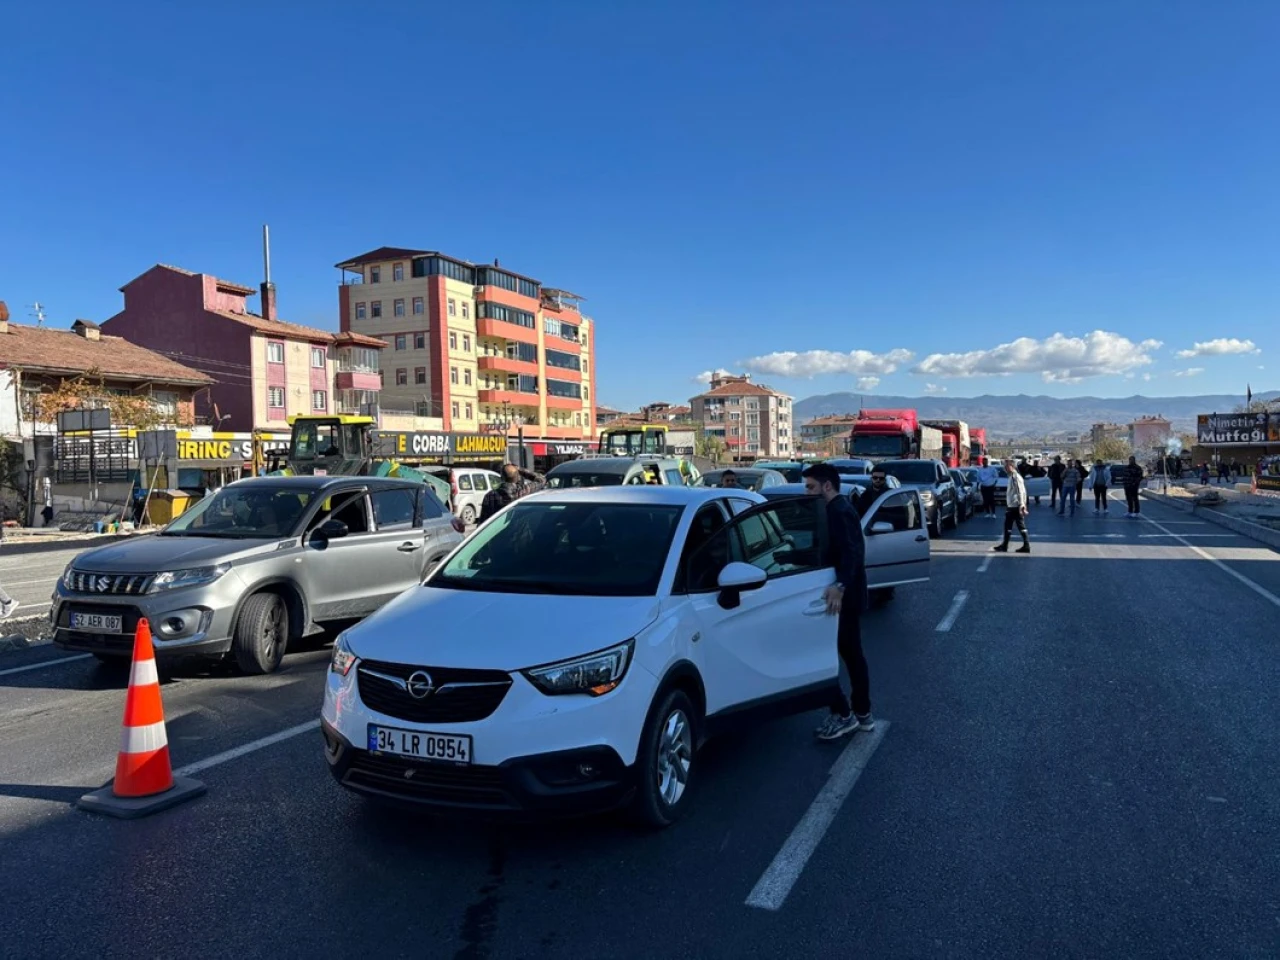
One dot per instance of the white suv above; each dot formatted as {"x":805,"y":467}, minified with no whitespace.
{"x":578,"y":649}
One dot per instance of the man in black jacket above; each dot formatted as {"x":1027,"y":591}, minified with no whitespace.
{"x":846,"y":599}
{"x":1056,"y":473}
{"x":866,"y":500}
{"x":1132,"y":480}
{"x":516,"y":483}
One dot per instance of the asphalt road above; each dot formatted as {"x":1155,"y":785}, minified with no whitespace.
{"x":1081,"y":759}
{"x":29,"y":575}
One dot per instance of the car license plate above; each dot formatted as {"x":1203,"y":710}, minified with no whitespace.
{"x":421,"y":745}
{"x":97,"y":622}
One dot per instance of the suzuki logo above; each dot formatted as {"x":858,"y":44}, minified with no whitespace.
{"x":103,"y":584}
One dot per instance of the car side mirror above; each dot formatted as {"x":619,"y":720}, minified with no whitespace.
{"x":329,"y":530}
{"x":880,"y":528}
{"x":735,"y":578}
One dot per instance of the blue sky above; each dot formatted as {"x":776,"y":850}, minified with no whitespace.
{"x":915,"y":197}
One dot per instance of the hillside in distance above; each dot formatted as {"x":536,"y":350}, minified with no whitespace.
{"x":1027,"y":416}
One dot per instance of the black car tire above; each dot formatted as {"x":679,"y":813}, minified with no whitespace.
{"x":954,"y":520}
{"x":649,"y":807}
{"x":261,"y":634}
{"x":935,"y":527}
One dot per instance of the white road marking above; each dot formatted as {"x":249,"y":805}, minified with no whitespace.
{"x":947,"y":622}
{"x":27,"y":583}
{"x":1161,"y":536}
{"x":1255,"y":587}
{"x":246,"y":748}
{"x":45,"y":663}
{"x":986,"y":562}
{"x":771,"y":890}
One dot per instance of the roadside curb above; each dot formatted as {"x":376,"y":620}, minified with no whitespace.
{"x":1254,"y":531}
{"x":17,"y":547}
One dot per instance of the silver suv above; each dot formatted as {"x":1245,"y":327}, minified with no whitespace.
{"x":254,"y":566}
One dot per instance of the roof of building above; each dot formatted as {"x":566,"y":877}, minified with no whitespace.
{"x":358,"y":339}
{"x":64,"y":352}
{"x":278,"y":328}
{"x":390,"y":253}
{"x":225,"y":284}
{"x":740,"y":388}
{"x":831,"y":419}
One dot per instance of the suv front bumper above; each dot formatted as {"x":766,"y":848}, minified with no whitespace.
{"x":192,"y":622}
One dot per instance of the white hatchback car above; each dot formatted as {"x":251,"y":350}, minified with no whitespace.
{"x":575,"y":652}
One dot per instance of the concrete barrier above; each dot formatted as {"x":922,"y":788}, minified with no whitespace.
{"x":1254,"y":531}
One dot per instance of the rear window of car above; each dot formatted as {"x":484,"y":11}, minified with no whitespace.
{"x":585,"y":479}
{"x":911,"y":471}
{"x":464,"y":481}
{"x":429,"y":505}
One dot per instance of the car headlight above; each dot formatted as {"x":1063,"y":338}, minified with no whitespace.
{"x":194,"y":577}
{"x":926,"y":496}
{"x":594,"y":675}
{"x":65,"y":579}
{"x":343,"y":659}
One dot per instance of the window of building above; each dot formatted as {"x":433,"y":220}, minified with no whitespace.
{"x":522,"y":383}
{"x":454,"y":409}
{"x":420,"y":340}
{"x":375,"y":308}
{"x":443,"y":267}
{"x":453,"y":375}
{"x":402,"y":376}
{"x":524,"y":352}
{"x":492,"y":277}
{"x":419,"y":374}
{"x":453,"y":307}
{"x":577,"y":419}
{"x":422,"y":408}
{"x":568,"y":361}
{"x":470,"y":410}
{"x":275,"y":397}
{"x":584,"y":366}
{"x":466,"y":337}
{"x":586,"y":392}
{"x":375,"y":274}
{"x":466,"y":376}
{"x":466,"y":310}
{"x":275,"y":352}
{"x":318,"y":357}
{"x":402,"y":341}
{"x":319,"y":400}
{"x":496,"y":311}
{"x":563,"y":388}
{"x":397,"y":308}
{"x":453,"y":340}
{"x":397,"y":272}
{"x":419,"y":307}
{"x":360,"y":311}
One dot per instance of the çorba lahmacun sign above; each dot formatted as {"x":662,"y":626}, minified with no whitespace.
{"x":1226,"y":429}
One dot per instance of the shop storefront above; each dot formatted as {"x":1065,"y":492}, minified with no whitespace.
{"x":1251,"y":440}
{"x":488,"y":450}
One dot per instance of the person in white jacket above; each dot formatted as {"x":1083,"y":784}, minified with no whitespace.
{"x":1015,"y":512}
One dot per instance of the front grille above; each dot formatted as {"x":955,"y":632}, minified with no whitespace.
{"x":460,"y":695}
{"x":120,"y":584}
{"x":471,"y":786}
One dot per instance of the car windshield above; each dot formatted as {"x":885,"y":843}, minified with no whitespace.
{"x":747,"y":479}
{"x":911,"y":471}
{"x":873,"y":445}
{"x":792,"y":471}
{"x":584,"y":479}
{"x":583,"y":548}
{"x":243,"y":513}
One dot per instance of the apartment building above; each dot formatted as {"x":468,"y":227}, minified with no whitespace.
{"x":480,"y":346}
{"x":1149,"y":433}
{"x":827,"y":435}
{"x":1100,"y":432}
{"x":264,"y":369}
{"x":753,"y":420}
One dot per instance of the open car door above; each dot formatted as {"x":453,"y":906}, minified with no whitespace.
{"x":897,"y":541}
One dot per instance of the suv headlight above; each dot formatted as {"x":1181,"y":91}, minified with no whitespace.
{"x":926,"y":496}
{"x":594,"y":675}
{"x":65,"y":579}
{"x":343,"y":659}
{"x":194,"y":577}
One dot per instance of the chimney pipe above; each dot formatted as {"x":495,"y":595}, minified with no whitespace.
{"x":268,"y":289}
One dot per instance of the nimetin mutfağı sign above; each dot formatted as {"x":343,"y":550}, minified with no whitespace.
{"x":1222,"y":429}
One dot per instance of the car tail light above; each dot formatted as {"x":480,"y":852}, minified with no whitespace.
{"x":453,"y":484}
{"x":458,"y":525}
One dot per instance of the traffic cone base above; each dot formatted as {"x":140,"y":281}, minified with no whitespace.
{"x":144,"y":781}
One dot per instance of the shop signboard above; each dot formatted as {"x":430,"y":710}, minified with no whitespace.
{"x":1236,"y":429}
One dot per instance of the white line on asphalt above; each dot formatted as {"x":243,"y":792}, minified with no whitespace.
{"x":45,"y":663}
{"x":986,"y":562}
{"x":945,"y":625}
{"x":27,"y":583}
{"x":776,"y":882}
{"x":1256,"y":588}
{"x":1161,"y":536}
{"x":246,"y":748}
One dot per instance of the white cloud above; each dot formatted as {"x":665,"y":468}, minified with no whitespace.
{"x":933,"y":389}
{"x":1147,"y":377}
{"x":1189,"y":372}
{"x":1223,"y":346}
{"x":706,"y":376}
{"x":814,"y":363}
{"x":868,"y":383}
{"x":1058,"y":359}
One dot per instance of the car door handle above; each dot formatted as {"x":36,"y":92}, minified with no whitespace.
{"x":409,"y":547}
{"x":816,"y":609}
{"x":921,"y":538}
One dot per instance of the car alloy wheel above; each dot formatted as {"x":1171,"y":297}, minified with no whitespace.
{"x":674,"y":757}
{"x":468,"y":515}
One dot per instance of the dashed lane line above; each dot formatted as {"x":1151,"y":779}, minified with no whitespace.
{"x":1255,"y":587}
{"x":986,"y":562}
{"x":770,"y":891}
{"x":957,"y":604}
{"x":45,"y":663}
{"x":244,"y":749}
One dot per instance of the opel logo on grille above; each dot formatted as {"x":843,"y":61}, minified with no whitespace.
{"x":419,"y":685}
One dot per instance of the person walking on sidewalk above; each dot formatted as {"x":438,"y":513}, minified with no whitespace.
{"x":845,"y":599}
{"x":1098,"y":480}
{"x":1132,"y":480}
{"x":1015,"y":511}
{"x":987,"y":477}
{"x":1055,"y":481}
{"x":1071,"y":481}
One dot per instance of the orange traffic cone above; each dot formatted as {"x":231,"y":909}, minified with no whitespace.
{"x":144,"y":779}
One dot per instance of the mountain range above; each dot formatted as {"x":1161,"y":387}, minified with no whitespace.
{"x":1027,"y":416}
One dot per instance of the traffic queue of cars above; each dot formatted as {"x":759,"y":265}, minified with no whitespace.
{"x":694,"y":609}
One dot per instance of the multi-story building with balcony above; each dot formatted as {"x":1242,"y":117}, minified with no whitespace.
{"x":753,"y":420}
{"x":479,"y":346}
{"x":827,"y":436}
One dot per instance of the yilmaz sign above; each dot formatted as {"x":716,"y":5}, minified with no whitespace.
{"x":1234,"y":429}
